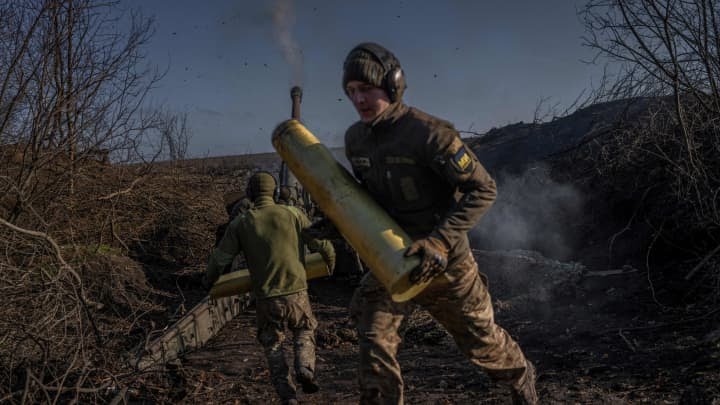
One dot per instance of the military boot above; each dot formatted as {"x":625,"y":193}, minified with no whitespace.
{"x":523,"y":391}
{"x":306,"y":378}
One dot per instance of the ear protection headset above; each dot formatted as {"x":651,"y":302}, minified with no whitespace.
{"x":394,"y":79}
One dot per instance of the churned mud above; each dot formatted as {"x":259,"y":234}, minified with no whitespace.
{"x":596,"y":335}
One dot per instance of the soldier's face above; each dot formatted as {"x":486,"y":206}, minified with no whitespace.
{"x":369,"y":101}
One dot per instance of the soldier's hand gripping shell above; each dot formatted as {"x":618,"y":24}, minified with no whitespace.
{"x":433,"y":254}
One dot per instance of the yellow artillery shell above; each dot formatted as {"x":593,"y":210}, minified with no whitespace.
{"x":377,"y":238}
{"x":239,"y":282}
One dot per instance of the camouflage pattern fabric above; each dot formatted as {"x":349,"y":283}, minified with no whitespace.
{"x":273,"y":314}
{"x":421,"y":173}
{"x":460,"y":301}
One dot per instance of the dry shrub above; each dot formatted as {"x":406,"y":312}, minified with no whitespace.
{"x":119,"y":284}
{"x":44,"y":324}
{"x":658,"y":183}
{"x":72,"y":227}
{"x":78,"y":292}
{"x":182,"y":213}
{"x":668,"y":52}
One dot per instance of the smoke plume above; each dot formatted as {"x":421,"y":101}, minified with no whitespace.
{"x":283,"y":21}
{"x":532,"y":212}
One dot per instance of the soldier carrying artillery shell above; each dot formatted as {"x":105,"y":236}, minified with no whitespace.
{"x":417,"y":168}
{"x":270,"y":235}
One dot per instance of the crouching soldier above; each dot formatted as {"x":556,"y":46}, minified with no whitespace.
{"x":270,"y":235}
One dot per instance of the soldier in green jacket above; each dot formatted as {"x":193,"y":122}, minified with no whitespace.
{"x":271,"y":237}
{"x":419,"y":170}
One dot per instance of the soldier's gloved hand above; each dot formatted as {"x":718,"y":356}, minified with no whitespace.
{"x":322,"y":229}
{"x":433,"y":258}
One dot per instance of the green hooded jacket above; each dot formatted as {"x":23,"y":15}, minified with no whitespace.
{"x":270,"y":235}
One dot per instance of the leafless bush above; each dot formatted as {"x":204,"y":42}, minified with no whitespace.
{"x":72,"y":96}
{"x":45,"y":315}
{"x":175,"y":135}
{"x":667,"y":55}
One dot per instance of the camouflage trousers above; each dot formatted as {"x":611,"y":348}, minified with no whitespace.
{"x":459,"y":300}
{"x":273,"y":314}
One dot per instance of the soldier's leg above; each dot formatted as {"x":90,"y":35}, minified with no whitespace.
{"x":377,"y":319}
{"x":302,"y":323}
{"x":271,"y":334}
{"x":460,"y":301}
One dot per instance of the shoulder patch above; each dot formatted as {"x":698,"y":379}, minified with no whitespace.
{"x":462,"y":159}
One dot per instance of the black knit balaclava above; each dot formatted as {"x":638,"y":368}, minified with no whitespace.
{"x":261,"y":184}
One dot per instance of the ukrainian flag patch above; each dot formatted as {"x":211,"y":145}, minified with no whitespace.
{"x":462,"y":159}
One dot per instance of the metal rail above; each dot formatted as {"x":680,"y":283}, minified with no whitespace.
{"x":191,"y":331}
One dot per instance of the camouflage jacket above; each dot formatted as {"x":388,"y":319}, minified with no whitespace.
{"x":419,"y":170}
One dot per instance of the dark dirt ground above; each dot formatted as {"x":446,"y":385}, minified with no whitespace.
{"x":598,"y":333}
{"x":597,"y":336}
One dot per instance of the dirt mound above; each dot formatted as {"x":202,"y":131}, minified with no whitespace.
{"x":522,"y":273}
{"x":513,"y":148}
{"x":120,"y":284}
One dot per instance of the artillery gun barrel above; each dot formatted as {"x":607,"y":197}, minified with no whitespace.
{"x":296,"y":97}
{"x":286,"y":177}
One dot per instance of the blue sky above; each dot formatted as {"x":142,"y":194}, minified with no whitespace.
{"x":478,"y":64}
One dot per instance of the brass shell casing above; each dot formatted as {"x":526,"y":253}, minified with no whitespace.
{"x":239,"y":282}
{"x":377,"y":238}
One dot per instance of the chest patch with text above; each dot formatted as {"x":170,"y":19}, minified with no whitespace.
{"x":360,"y":161}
